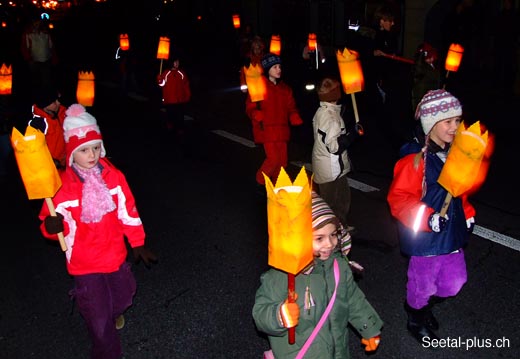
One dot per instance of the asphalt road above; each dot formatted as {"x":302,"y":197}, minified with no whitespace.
{"x":203,"y":219}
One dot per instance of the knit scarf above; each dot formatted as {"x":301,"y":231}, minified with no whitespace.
{"x":96,"y":198}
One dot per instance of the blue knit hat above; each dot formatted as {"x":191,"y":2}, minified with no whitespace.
{"x":269,"y":61}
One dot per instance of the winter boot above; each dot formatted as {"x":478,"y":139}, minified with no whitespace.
{"x":417,"y":323}
{"x":429,"y":319}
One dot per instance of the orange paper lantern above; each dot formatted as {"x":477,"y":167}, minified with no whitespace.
{"x":6,"y":79}
{"x":276,"y":46}
{"x":350,"y":71}
{"x":236,"y":21}
{"x":289,"y":217}
{"x":163,"y":51}
{"x":454,"y":57}
{"x":86,"y":88}
{"x":255,"y":82}
{"x":312,"y":42}
{"x":124,"y":42}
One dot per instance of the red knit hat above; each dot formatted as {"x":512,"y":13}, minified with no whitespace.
{"x":80,"y":128}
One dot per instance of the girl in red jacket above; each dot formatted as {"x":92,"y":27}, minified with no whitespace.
{"x":96,"y":211}
{"x":271,"y":118}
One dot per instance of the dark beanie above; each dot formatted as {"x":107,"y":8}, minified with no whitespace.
{"x":269,"y":61}
{"x":329,"y":90}
{"x":45,"y":96}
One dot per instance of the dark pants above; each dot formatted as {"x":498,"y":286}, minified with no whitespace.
{"x":101,"y":298}
{"x":175,"y":116}
{"x":338,"y":197}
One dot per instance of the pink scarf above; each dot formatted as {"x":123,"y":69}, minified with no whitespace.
{"x":96,"y":200}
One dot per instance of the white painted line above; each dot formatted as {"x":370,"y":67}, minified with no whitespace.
{"x":497,"y":237}
{"x":241,"y":140}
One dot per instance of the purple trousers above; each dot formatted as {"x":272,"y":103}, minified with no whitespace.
{"x":442,"y":276}
{"x":101,"y":298}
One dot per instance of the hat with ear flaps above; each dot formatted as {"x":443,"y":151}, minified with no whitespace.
{"x":79,"y":129}
{"x":435,"y":106}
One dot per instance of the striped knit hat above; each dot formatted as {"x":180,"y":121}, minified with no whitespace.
{"x":322,"y":215}
{"x":435,"y":106}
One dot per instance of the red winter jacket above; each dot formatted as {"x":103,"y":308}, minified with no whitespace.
{"x":175,"y":86}
{"x":272,"y":116}
{"x":53,"y":130}
{"x":96,"y":247}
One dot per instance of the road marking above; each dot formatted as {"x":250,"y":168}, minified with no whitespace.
{"x":232,"y":137}
{"x":502,"y":239}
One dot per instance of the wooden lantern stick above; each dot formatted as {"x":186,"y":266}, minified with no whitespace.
{"x":291,"y":296}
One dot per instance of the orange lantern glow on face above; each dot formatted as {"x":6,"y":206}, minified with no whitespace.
{"x":276,"y":46}
{"x":454,"y":57}
{"x":255,"y":82}
{"x":6,"y":79}
{"x":350,"y":71}
{"x":312,"y":42}
{"x":163,"y":51}
{"x":86,"y":89}
{"x":124,"y":42}
{"x":236,"y":21}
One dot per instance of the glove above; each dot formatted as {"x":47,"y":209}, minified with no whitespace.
{"x":289,"y":314}
{"x":141,"y":253}
{"x":258,"y":116}
{"x":470,"y":224}
{"x":54,"y":224}
{"x":437,"y":223}
{"x":371,"y":344}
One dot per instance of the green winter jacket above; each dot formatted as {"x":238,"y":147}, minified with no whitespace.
{"x":350,"y":306}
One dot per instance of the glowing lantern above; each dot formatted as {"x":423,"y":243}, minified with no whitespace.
{"x":289,"y":221}
{"x":236,"y":21}
{"x":276,"y":46}
{"x":255,"y":82}
{"x":351,"y":77}
{"x":124,"y":42}
{"x":6,"y":79}
{"x":39,"y":174}
{"x":466,"y":166}
{"x":86,"y":88}
{"x":163,"y":51}
{"x":312,"y":42}
{"x":454,"y":57}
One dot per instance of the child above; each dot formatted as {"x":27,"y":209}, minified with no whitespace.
{"x":330,"y":162}
{"x":176,"y":92}
{"x":426,"y":74}
{"x":314,"y":286}
{"x":96,"y":210}
{"x":434,"y":243}
{"x":271,"y":118}
{"x":253,"y":58}
{"x":48,"y":116}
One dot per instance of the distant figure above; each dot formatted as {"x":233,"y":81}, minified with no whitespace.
{"x":96,"y":211}
{"x":252,"y":58}
{"x":426,"y":74}
{"x":40,"y":54}
{"x":271,"y":119}
{"x":176,"y":93}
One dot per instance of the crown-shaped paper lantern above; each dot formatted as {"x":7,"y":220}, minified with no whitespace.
{"x":467,"y":162}
{"x":350,"y":71}
{"x":86,"y":88}
{"x":255,"y":82}
{"x":6,"y":79}
{"x":275,"y":47}
{"x":454,"y":57}
{"x":289,"y":217}
{"x":37,"y":169}
{"x":124,"y":42}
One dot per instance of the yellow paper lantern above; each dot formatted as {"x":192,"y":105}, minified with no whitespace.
{"x":37,"y":169}
{"x":236,"y":21}
{"x":312,"y":42}
{"x":350,"y":71}
{"x":454,"y":57}
{"x":124,"y":42}
{"x":86,"y":88}
{"x":255,"y":82}
{"x":163,"y":51}
{"x":276,"y":45}
{"x":466,"y":164}
{"x":6,"y":79}
{"x":289,"y":215}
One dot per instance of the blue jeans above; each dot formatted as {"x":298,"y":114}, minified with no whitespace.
{"x":101,"y":298}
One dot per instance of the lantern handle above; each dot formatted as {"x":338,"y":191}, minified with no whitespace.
{"x":291,"y":298}
{"x":445,"y":205}
{"x":53,"y":213}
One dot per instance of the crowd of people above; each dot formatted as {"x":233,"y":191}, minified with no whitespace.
{"x":96,"y":210}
